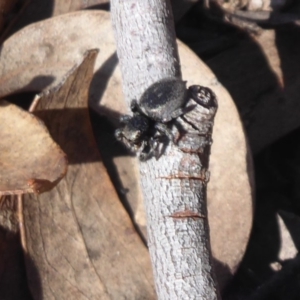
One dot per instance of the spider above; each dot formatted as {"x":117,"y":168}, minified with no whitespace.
{"x":163,"y":102}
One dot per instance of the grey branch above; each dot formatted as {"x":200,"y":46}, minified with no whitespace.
{"x":174,"y":186}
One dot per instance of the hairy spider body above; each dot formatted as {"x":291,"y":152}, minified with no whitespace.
{"x":163,"y":102}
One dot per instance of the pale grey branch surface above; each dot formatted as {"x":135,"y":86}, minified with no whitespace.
{"x":174,"y":186}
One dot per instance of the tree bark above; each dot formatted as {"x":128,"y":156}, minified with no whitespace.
{"x":174,"y":186}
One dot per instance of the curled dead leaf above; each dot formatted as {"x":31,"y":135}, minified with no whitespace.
{"x":82,"y":213}
{"x":30,"y":161}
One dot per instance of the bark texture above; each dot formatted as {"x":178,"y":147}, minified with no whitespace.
{"x":174,"y":186}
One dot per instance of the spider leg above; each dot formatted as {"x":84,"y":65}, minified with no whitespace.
{"x":135,"y":108}
{"x":162,"y":128}
{"x":154,"y":143}
{"x":149,"y":149}
{"x":153,"y":149}
{"x":119,"y":135}
{"x":142,"y":154}
{"x":179,"y":112}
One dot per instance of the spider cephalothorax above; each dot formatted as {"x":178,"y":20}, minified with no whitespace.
{"x":159,"y":105}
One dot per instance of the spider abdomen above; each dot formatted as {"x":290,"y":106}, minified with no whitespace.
{"x":162,"y":98}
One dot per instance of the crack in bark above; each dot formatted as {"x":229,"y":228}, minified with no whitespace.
{"x":187,"y":214}
{"x":202,"y":177}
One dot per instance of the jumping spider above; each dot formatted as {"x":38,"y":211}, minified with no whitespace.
{"x":161,"y":103}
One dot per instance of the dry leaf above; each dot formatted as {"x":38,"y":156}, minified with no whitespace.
{"x":37,"y":10}
{"x":289,"y":225}
{"x":288,"y":249}
{"x":275,"y":112}
{"x":272,"y":5}
{"x":29,"y":159}
{"x":80,"y":241}
{"x":62,"y":7}
{"x":41,"y":54}
{"x":264,"y":83}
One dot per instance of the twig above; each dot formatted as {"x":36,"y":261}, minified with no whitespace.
{"x":174,"y":186}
